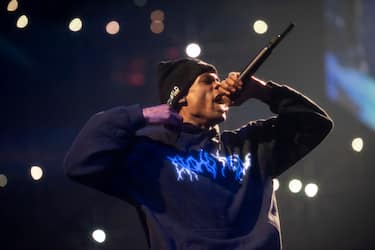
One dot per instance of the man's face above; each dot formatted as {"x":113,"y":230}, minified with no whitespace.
{"x":201,"y":108}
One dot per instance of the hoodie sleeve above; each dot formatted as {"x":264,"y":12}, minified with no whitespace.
{"x":300,"y":125}
{"x":97,"y":154}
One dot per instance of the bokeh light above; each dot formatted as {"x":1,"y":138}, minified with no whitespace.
{"x":172,"y":53}
{"x":22,"y":21}
{"x":3,"y":180}
{"x":260,"y":27}
{"x":357,"y":144}
{"x":295,"y":186}
{"x":311,"y":190}
{"x":75,"y":24}
{"x":276,"y":184}
{"x":98,"y":235}
{"x":140,"y":3}
{"x":12,"y":5}
{"x":112,"y":28}
{"x":193,"y":50}
{"x":157,"y":27}
{"x":157,"y":15}
{"x":135,"y":79}
{"x":36,"y":172}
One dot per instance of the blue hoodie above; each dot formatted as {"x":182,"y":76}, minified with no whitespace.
{"x":194,"y":188}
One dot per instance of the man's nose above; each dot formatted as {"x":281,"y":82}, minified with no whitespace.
{"x":216,"y":85}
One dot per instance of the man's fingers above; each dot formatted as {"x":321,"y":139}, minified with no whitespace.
{"x":162,"y":114}
{"x":230,"y":85}
{"x":223,"y":89}
{"x":233,"y":75}
{"x":230,"y":88}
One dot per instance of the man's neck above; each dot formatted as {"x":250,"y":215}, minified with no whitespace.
{"x":196,"y":121}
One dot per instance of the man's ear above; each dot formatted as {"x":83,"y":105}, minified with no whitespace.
{"x":182,"y":101}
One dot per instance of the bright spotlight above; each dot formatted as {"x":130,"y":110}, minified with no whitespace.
{"x":260,"y":26}
{"x":3,"y":180}
{"x":295,"y":186}
{"x":193,"y":50}
{"x":12,"y":5}
{"x":112,"y":28}
{"x":36,"y":172}
{"x":75,"y":25}
{"x":357,"y":144}
{"x":22,"y":21}
{"x":311,"y":189}
{"x":98,"y":235}
{"x":276,"y":184}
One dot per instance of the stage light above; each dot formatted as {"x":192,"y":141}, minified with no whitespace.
{"x":172,"y":53}
{"x":99,"y":235}
{"x":3,"y":180}
{"x":112,"y":28}
{"x":276,"y":184}
{"x":75,"y":24}
{"x":260,"y":27}
{"x":135,"y":79}
{"x":193,"y":50}
{"x":357,"y":144}
{"x":12,"y":5}
{"x":311,"y":189}
{"x":140,"y":3}
{"x":22,"y":22}
{"x":157,"y":27}
{"x":295,"y":186}
{"x":157,"y":15}
{"x":36,"y":172}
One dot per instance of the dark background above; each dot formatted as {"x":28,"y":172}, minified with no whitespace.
{"x":53,"y":80}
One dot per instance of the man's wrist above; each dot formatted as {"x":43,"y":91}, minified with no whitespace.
{"x":261,"y":89}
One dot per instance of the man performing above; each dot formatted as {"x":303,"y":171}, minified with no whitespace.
{"x":193,"y":187}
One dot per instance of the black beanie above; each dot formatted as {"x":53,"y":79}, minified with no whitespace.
{"x":176,"y":77}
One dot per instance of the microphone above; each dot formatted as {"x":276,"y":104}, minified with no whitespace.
{"x":262,"y":55}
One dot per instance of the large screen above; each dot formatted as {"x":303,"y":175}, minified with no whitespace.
{"x":350,"y":56}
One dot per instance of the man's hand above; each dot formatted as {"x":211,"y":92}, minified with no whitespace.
{"x":234,"y":92}
{"x":162,"y":114}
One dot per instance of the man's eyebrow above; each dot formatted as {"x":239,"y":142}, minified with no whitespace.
{"x":208,"y":77}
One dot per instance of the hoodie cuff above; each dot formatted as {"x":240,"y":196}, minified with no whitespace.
{"x":274,"y":94}
{"x":135,"y":116}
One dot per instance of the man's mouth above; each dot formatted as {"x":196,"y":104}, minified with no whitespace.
{"x":219,"y":99}
{"x":222,"y":107}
